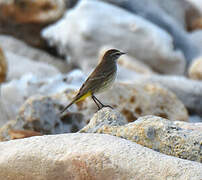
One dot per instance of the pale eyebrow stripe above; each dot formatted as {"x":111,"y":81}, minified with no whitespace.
{"x":115,"y":53}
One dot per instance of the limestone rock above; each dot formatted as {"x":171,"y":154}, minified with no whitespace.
{"x":150,"y":131}
{"x":25,"y":19}
{"x":19,"y":66}
{"x":135,"y":100}
{"x":19,"y":48}
{"x":15,"y":92}
{"x":187,"y":90}
{"x":191,"y":126}
{"x":3,"y":66}
{"x":123,"y":29}
{"x":160,"y":12}
{"x":132,"y":100}
{"x":89,"y":156}
{"x":41,"y":114}
{"x":195,"y":70}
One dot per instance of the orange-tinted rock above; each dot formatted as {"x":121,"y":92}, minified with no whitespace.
{"x":19,"y":134}
{"x":3,"y":66}
{"x":25,"y":19}
{"x":195,"y":70}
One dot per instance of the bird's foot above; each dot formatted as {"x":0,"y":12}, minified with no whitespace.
{"x":105,"y":106}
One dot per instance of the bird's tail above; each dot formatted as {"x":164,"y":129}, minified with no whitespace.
{"x":78,"y":98}
{"x":67,"y":106}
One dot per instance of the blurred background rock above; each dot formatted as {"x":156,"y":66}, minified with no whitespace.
{"x":48,"y":48}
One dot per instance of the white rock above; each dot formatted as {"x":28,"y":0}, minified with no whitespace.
{"x":196,"y":37}
{"x":15,"y":92}
{"x":93,"y":24}
{"x":89,"y":156}
{"x":20,"y":48}
{"x":197,"y":4}
{"x":19,"y":66}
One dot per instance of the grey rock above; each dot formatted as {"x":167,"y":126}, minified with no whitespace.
{"x":160,"y":17}
{"x":195,"y":119}
{"x":89,"y":156}
{"x":39,"y":114}
{"x":150,"y":131}
{"x":196,"y":37}
{"x":42,"y":114}
{"x":160,"y":8}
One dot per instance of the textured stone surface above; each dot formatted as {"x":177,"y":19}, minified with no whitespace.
{"x":41,"y":114}
{"x":20,"y":48}
{"x":187,"y":90}
{"x":133,"y":101}
{"x":191,"y":126}
{"x":123,"y":29}
{"x":25,"y":19}
{"x":151,"y":131}
{"x":195,"y":69}
{"x":15,"y":92}
{"x":89,"y":156}
{"x":3,"y":66}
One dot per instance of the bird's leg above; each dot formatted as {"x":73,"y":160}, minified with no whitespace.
{"x":94,"y":99}
{"x":102,"y":105}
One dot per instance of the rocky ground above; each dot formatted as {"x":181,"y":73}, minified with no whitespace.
{"x":47,"y":50}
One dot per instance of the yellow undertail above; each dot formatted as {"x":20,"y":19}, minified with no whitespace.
{"x":77,"y":100}
{"x":84,"y":96}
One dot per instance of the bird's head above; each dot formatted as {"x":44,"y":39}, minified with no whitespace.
{"x":113,"y":54}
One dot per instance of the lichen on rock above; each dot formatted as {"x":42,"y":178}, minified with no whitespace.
{"x":153,"y":132}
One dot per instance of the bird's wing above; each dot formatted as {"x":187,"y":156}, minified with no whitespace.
{"x":92,"y":82}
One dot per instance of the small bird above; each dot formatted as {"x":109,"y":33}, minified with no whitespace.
{"x":99,"y":80}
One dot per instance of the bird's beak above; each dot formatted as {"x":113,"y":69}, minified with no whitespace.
{"x":122,"y":53}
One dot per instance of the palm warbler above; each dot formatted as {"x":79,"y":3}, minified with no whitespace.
{"x":100,"y":79}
